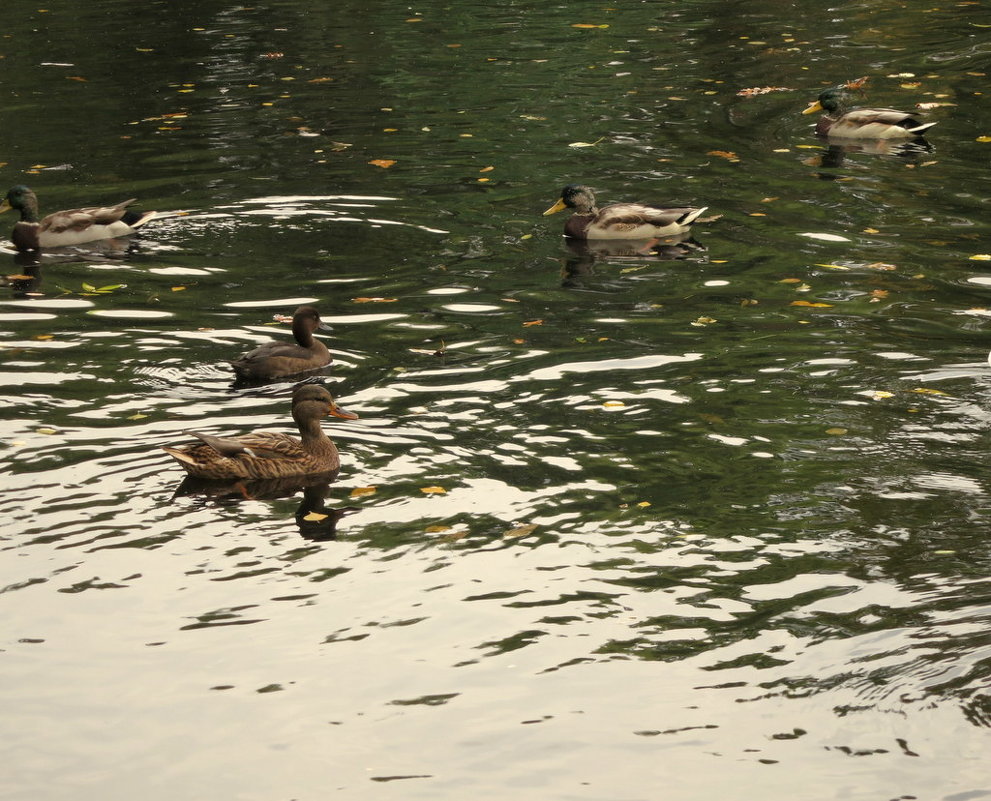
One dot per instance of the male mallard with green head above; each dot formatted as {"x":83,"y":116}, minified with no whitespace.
{"x":620,"y":220}
{"x":70,"y":227}
{"x":268,"y":454}
{"x":864,"y":123}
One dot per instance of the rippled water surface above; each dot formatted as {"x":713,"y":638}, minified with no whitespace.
{"x":708,"y":521}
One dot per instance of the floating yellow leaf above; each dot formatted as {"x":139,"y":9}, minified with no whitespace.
{"x":833,"y":266}
{"x":644,"y":504}
{"x":587,"y":25}
{"x":810,"y":304}
{"x":383,"y":163}
{"x":587,"y":144}
{"x":530,"y":323}
{"x":486,"y":169}
{"x":44,"y":337}
{"x":436,"y":529}
{"x":790,"y":281}
{"x":857,"y":83}
{"x":983,"y":139}
{"x":374,"y":300}
{"x":361,"y":492}
{"x":981,"y":257}
{"x":178,"y":289}
{"x":881,"y":394}
{"x":47,"y":431}
{"x":613,"y":404}
{"x":927,"y":391}
{"x":762,"y":90}
{"x":315,"y":517}
{"x":880,"y":265}
{"x":724,"y":154}
{"x":520,"y":531}
{"x":138,"y":416}
{"x":836,"y":432}
{"x":703,"y":321}
{"x":433,"y":490}
{"x":871,"y":231}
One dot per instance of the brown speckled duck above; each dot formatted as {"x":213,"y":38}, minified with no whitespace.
{"x":280,"y":359}
{"x":268,"y":454}
{"x":70,"y":227}
{"x":620,"y":220}
{"x":864,"y":123}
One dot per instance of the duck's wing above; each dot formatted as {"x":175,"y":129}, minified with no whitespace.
{"x":80,"y":219}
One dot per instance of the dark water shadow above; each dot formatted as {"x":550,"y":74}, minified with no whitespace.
{"x":835,"y":153}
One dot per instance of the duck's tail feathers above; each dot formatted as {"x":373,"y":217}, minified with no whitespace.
{"x":692,"y":215}
{"x":918,"y":130}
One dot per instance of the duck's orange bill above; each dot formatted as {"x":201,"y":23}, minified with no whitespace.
{"x":559,"y":206}
{"x":344,"y":414}
{"x":817,"y":106}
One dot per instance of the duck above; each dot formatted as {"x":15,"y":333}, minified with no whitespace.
{"x":279,"y":359}
{"x":863,"y":123}
{"x":620,"y":220}
{"x":69,"y":227}
{"x":269,"y":454}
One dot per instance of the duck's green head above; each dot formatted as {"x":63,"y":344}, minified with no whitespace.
{"x":829,"y":101}
{"x":574,"y":196}
{"x":21,"y":198}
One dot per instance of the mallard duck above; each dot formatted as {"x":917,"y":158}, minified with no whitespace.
{"x":267,"y":454}
{"x":70,"y":227}
{"x":864,"y":123}
{"x":621,"y":220}
{"x":279,"y":359}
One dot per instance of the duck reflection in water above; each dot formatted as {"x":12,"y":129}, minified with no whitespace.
{"x":584,"y":254}
{"x":314,"y":519}
{"x":836,"y":151}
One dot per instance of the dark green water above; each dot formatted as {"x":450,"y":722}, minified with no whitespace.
{"x":712,"y":526}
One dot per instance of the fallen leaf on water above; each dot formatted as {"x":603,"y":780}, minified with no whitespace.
{"x":871,"y":231}
{"x":878,"y":294}
{"x":339,"y":146}
{"x":47,"y":431}
{"x":833,"y":266}
{"x":928,"y":106}
{"x":703,"y":321}
{"x":880,"y":265}
{"x":983,"y":139}
{"x":383,"y":163}
{"x":613,"y":404}
{"x":761,"y":90}
{"x":826,"y":237}
{"x":519,"y":341}
{"x":530,"y":323}
{"x":374,"y":300}
{"x":857,"y":83}
{"x":644,"y":504}
{"x":587,"y":144}
{"x":790,"y":281}
{"x":810,"y":304}
{"x":836,"y":432}
{"x":881,"y":394}
{"x":927,"y":391}
{"x":433,"y":490}
{"x":315,"y":517}
{"x":178,"y":289}
{"x":319,"y":80}
{"x":44,"y":337}
{"x":975,"y":257}
{"x":486,"y":169}
{"x":724,"y":154}
{"x":77,"y":78}
{"x":520,"y":531}
{"x":587,"y":25}
{"x":436,"y":529}
{"x":361,"y":492}
{"x":18,"y":277}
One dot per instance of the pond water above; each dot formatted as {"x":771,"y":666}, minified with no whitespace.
{"x":705,"y":522}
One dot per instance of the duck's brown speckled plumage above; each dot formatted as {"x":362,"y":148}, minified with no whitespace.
{"x":266,"y":454}
{"x":280,"y":359}
{"x":70,"y":227}
{"x":620,"y":220}
{"x":864,"y":123}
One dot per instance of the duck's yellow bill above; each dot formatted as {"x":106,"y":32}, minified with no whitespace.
{"x":559,"y":206}
{"x":344,"y":414}
{"x":817,"y":106}
{"x":5,"y":206}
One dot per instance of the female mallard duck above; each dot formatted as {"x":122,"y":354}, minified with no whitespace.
{"x":279,"y":359}
{"x":621,"y":220}
{"x":864,"y":123}
{"x":267,"y":454}
{"x":71,"y":227}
